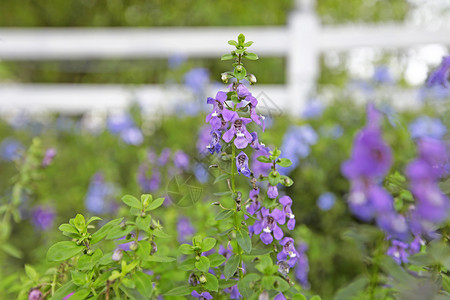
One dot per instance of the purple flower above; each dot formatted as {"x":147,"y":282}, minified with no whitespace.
{"x":398,"y":251}
{"x":302,"y":269}
{"x":255,"y":144}
{"x":272,"y":191}
{"x":286,"y":201}
{"x":202,"y":296}
{"x":43,"y":217}
{"x":242,"y":164}
{"x":98,"y":193}
{"x":427,"y":127}
{"x":132,"y":136}
{"x":279,"y":296}
{"x":269,"y":225}
{"x":288,"y":252}
{"x":10,"y":149}
{"x":258,"y":119}
{"x":382,"y":75}
{"x":440,"y":75}
{"x":243,"y":137}
{"x":50,"y":153}
{"x":204,"y":137}
{"x":214,"y":145}
{"x":214,"y":118}
{"x":181,"y":160}
{"x":184,"y":229}
{"x":201,"y":173}
{"x":254,"y":205}
{"x":326,"y":201}
{"x":35,"y":294}
{"x":313,"y":110}
{"x":234,"y":292}
{"x":164,"y":157}
{"x":197,"y":79}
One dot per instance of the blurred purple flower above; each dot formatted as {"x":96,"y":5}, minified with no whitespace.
{"x":50,"y":153}
{"x":326,"y":201}
{"x":425,"y":126}
{"x":43,"y":217}
{"x":440,"y":75}
{"x":176,"y":60}
{"x":313,"y":110}
{"x":302,"y":269}
{"x":10,"y":149}
{"x":132,"y":136}
{"x":197,"y":79}
{"x":35,"y":294}
{"x":184,"y":229}
{"x":119,"y":122}
{"x":382,"y":75}
{"x":181,"y":160}
{"x":98,"y":194}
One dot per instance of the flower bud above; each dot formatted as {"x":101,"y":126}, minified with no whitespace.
{"x":197,"y":258}
{"x":215,"y":203}
{"x":89,"y":252}
{"x":154,"y":248}
{"x":252,"y":78}
{"x":117,"y":254}
{"x":283,"y":268}
{"x":239,"y":68}
{"x":264,"y":296}
{"x":202,"y":279}
{"x":35,"y":294}
{"x":193,"y":279}
{"x":134,"y":245}
{"x":128,"y":236}
{"x":224,"y":77}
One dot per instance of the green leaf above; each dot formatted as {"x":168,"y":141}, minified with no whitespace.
{"x":224,"y":214}
{"x":31,"y":273}
{"x":143,"y":283}
{"x":226,"y":57}
{"x":299,"y":297}
{"x":80,"y":222}
{"x":11,"y":250}
{"x":187,"y":265}
{"x":87,"y":262}
{"x":284,"y":162}
{"x":186,"y":249}
{"x":251,"y":56}
{"x":227,"y":193}
{"x":63,"y":291}
{"x":241,"y":39}
{"x":161,"y":234}
{"x":104,"y":230}
{"x":63,"y":250}
{"x":259,"y":251}
{"x":143,"y":223}
{"x":243,"y":239}
{"x":231,"y":266}
{"x":180,"y":291}
{"x":157,"y":258}
{"x":80,"y":294}
{"x":79,"y":278}
{"x":155,"y":204}
{"x":351,"y":290}
{"x":232,"y":43}
{"x":221,"y":177}
{"x":274,"y":179}
{"x":208,"y":244}
{"x":264,"y":159}
{"x":244,"y":284}
{"x":248,"y":44}
{"x":240,"y":74}
{"x":202,"y":264}
{"x":68,"y":228}
{"x":92,"y":219}
{"x":118,"y":232}
{"x":216,"y":260}
{"x":212,"y":284}
{"x":132,"y":201}
{"x":286,"y":181}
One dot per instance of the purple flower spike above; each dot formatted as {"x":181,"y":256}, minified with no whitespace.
{"x":202,"y":296}
{"x":440,"y":75}
{"x":286,"y":201}
{"x":243,"y":137}
{"x":288,"y":253}
{"x":242,"y":164}
{"x":269,"y":225}
{"x":272,"y":191}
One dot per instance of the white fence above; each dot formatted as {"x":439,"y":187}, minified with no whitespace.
{"x":301,"y":42}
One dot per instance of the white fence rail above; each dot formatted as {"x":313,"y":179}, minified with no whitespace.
{"x":301,"y":42}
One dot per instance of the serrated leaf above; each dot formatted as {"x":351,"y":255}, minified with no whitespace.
{"x":243,"y":239}
{"x":63,"y":250}
{"x":161,"y":234}
{"x":224,"y":214}
{"x":231,"y":266}
{"x":216,"y":260}
{"x":143,"y":283}
{"x":132,"y":201}
{"x":143,"y":223}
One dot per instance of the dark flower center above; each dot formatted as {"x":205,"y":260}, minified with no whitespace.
{"x":238,"y":124}
{"x":219,"y":105}
{"x":241,"y":160}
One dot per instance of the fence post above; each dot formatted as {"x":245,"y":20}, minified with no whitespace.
{"x":302,"y":55}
